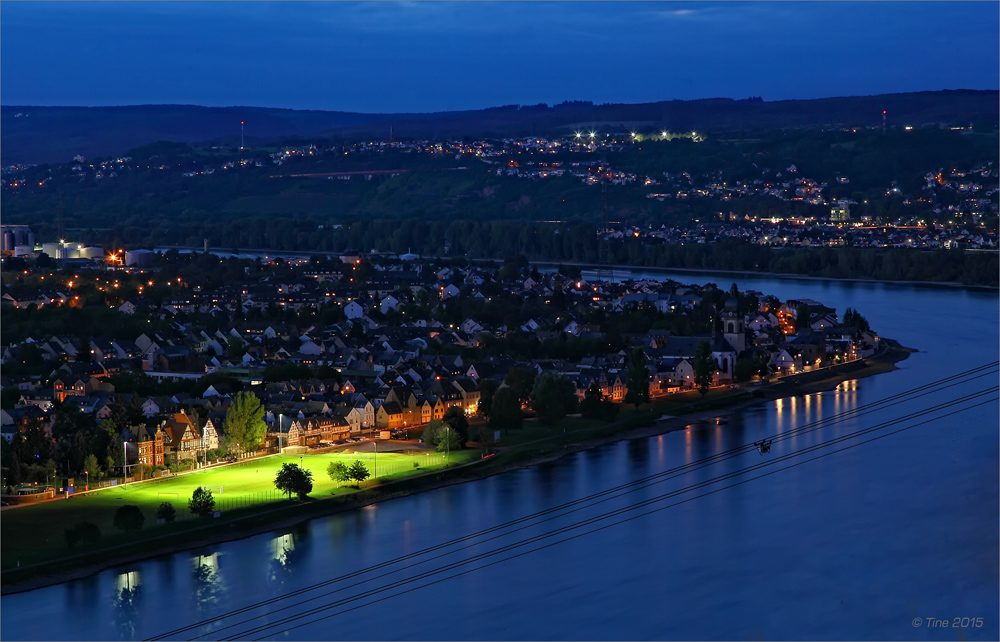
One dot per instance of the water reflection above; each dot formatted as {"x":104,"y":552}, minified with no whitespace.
{"x":896,"y":509}
{"x":546,"y":480}
{"x":126,"y":602}
{"x":208,"y":587}
{"x":638,"y":455}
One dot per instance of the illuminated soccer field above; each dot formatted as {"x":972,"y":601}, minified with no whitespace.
{"x":33,"y":533}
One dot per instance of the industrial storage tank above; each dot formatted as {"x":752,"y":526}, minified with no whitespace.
{"x":52,"y":249}
{"x":73,"y":252}
{"x":92,"y":253}
{"x":140,"y":258}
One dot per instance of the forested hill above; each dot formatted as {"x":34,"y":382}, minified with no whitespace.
{"x":56,"y":134}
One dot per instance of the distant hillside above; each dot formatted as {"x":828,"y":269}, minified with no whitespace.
{"x":56,"y":134}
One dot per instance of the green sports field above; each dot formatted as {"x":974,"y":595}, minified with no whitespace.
{"x":36,"y":533}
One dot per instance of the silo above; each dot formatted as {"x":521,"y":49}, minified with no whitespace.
{"x":8,"y":242}
{"x":140,"y":258}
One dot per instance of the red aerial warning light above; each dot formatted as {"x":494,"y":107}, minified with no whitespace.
{"x":241,"y":122}
{"x":883,"y":112}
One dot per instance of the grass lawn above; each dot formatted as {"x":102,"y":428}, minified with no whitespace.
{"x":536,"y":438}
{"x":35,"y":533}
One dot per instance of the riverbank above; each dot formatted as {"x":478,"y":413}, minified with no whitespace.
{"x":251,"y":253}
{"x":645,"y":423}
{"x":755,"y":273}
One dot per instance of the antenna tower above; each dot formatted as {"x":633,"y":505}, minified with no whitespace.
{"x":241,"y":134}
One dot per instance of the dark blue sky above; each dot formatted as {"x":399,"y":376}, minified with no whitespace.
{"x":417,"y":56}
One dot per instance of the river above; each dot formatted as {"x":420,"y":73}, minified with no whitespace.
{"x":891,"y":539}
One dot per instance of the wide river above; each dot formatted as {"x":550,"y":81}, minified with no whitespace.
{"x":895,"y":538}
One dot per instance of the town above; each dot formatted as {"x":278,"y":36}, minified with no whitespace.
{"x":746,"y":198}
{"x":152,"y":349}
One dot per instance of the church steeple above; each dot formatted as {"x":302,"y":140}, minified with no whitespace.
{"x":733,"y":326}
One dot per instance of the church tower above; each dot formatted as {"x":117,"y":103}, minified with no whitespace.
{"x":733,"y":327}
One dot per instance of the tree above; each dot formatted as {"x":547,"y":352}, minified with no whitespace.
{"x":763,"y":364}
{"x":201,"y":502}
{"x":433,"y":432}
{"x":91,"y":465}
{"x":338,"y":472}
{"x":596,"y":405}
{"x":294,"y":479}
{"x":359,"y":472}
{"x":166,"y":512}
{"x":704,"y":366}
{"x":802,"y":316}
{"x":521,"y":381}
{"x":756,"y":366}
{"x":506,"y":410}
{"x":637,"y":379}
{"x":449,"y":440}
{"x":553,"y":397}
{"x":744,"y":370}
{"x":244,"y":424}
{"x":487,"y":388}
{"x":129,"y":518}
{"x":853,"y":319}
{"x":455,"y":418}
{"x":235,"y":348}
{"x":590,"y":407}
{"x":114,"y":450}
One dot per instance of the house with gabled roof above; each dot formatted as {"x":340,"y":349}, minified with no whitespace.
{"x":151,"y":445}
{"x":182,"y":440}
{"x":389,"y":416}
{"x":68,"y":387}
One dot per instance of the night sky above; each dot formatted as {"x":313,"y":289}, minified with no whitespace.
{"x":417,"y":56}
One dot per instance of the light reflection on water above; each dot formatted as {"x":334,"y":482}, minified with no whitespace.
{"x":126,"y":603}
{"x":843,"y":547}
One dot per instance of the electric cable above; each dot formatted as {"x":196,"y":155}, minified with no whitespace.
{"x":427,"y":574}
{"x":628,"y":487}
{"x":716,"y":480}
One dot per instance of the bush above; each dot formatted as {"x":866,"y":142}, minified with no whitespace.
{"x":166,"y":512}
{"x":82,"y":533}
{"x":129,"y":518}
{"x":433,"y":432}
{"x":449,"y":440}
